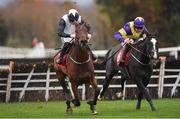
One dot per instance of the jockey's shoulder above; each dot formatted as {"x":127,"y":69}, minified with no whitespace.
{"x":127,"y":24}
{"x":127,"y":27}
{"x":65,"y":15}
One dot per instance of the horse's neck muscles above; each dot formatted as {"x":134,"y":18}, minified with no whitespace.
{"x":140,"y":56}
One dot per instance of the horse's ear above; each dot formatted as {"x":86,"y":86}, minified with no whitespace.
{"x":84,"y":22}
{"x":155,"y":32}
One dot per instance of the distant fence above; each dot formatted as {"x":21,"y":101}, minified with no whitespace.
{"x":20,"y":84}
{"x":164,"y":81}
{"x":7,"y":52}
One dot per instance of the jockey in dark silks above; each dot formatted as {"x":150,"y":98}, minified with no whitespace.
{"x":66,"y":31}
{"x":130,"y":33}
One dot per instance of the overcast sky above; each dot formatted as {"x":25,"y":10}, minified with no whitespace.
{"x":79,"y":2}
{"x":4,"y":2}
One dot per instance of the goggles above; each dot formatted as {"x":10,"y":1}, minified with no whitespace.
{"x":139,"y":28}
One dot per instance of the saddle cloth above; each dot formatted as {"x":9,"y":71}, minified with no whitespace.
{"x":119,"y":57}
{"x":63,"y":64}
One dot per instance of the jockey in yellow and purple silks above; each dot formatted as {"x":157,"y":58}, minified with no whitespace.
{"x":133,"y":30}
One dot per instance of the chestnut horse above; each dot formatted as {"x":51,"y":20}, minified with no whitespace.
{"x":78,"y":68}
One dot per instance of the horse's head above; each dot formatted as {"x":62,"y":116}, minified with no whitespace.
{"x":152,"y":46}
{"x":147,"y":50}
{"x":81,"y":35}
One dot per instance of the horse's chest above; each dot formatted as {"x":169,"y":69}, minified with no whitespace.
{"x":138,"y":71}
{"x":84,"y":78}
{"x":84,"y":75}
{"x":81,"y":77}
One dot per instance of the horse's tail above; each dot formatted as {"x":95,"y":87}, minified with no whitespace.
{"x":106,"y":57}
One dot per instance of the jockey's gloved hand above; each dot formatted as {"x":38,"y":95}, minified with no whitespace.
{"x":73,"y":35}
{"x":127,"y":40}
{"x":89,"y":37}
{"x":141,"y":39}
{"x":131,"y":41}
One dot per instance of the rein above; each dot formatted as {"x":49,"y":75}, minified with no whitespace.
{"x":139,"y":60}
{"x":136,"y":57}
{"x":113,"y":53}
{"x":121,"y":47}
{"x":137,"y":49}
{"x":76,"y":62}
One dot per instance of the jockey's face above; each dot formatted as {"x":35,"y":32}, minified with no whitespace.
{"x":139,"y":29}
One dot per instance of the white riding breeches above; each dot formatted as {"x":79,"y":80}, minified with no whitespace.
{"x":65,"y":40}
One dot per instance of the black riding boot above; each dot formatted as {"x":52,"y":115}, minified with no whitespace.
{"x":66,"y":46}
{"x":126,"y":48}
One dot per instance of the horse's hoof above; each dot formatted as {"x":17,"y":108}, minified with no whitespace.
{"x":99,"y":98}
{"x":69,"y":111}
{"x":153,"y":109}
{"x":138,"y":108}
{"x":119,"y":95}
{"x":93,"y":109}
{"x":94,"y":112}
{"x":76,"y":103}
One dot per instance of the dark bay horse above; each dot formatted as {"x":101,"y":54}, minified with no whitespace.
{"x":78,"y":68}
{"x":139,"y":67}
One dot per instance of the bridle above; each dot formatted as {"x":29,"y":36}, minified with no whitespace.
{"x":82,"y":62}
{"x":81,"y":44}
{"x":139,"y":51}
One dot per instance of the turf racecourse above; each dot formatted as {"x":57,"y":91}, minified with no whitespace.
{"x":167,"y":108}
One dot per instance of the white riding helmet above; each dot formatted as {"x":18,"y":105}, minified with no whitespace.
{"x":73,"y":15}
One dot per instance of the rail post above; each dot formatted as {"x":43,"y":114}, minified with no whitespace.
{"x":175,"y":86}
{"x":8,"y":92}
{"x":161,"y":77}
{"x":21,"y":95}
{"x":47,"y":84}
{"x":83,"y":92}
{"x":124,"y":91}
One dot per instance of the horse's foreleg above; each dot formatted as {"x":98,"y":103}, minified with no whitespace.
{"x":61,"y":78}
{"x":146,"y":94}
{"x":106,"y":82}
{"x":123,"y":79}
{"x":121,"y":93}
{"x":76,"y":100}
{"x":67,"y":96}
{"x":140,"y":96}
{"x":96,"y":93}
{"x":87,"y":91}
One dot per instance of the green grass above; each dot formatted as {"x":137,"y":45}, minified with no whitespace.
{"x":166,"y":108}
